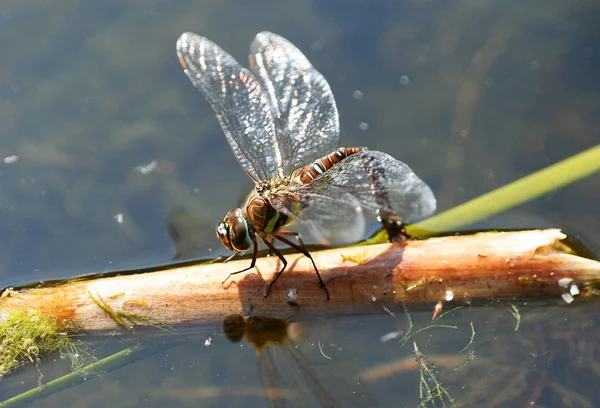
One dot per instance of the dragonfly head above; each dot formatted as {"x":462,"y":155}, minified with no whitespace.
{"x":234,"y":232}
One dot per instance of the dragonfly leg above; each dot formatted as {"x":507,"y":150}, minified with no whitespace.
{"x":303,"y":250}
{"x":292,"y":233}
{"x":254,"y":256}
{"x":270,"y":250}
{"x":276,"y":251}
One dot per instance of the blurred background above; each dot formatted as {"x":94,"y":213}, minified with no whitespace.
{"x":111,"y":160}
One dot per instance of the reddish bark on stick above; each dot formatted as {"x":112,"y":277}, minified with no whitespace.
{"x":504,"y":265}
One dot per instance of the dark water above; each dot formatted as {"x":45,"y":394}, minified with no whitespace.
{"x":472,"y":95}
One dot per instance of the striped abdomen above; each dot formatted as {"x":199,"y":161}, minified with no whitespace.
{"x":310,"y":172}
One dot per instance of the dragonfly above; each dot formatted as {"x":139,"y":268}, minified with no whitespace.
{"x":281,"y":121}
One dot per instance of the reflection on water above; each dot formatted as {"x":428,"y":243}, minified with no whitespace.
{"x":471,"y":95}
{"x":290,"y":379}
{"x":350,"y":362}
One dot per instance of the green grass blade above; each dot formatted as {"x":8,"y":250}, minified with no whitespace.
{"x":511,"y":195}
{"x":111,"y":363}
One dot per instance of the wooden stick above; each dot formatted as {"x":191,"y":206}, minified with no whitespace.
{"x":527,"y":264}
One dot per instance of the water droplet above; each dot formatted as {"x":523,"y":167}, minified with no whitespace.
{"x":11,"y":159}
{"x":567,"y":298}
{"x":564,"y":282}
{"x":574,"y":290}
{"x":534,"y":65}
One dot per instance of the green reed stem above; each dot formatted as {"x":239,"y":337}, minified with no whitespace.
{"x":511,"y":195}
{"x":120,"y":359}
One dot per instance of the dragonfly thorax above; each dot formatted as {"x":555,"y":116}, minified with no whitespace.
{"x":262,"y":187}
{"x":261,"y":214}
{"x":234,"y":232}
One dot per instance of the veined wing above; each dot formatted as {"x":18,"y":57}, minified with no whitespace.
{"x":303,"y":105}
{"x":313,"y":382}
{"x":239,"y":102}
{"x":369,"y":180}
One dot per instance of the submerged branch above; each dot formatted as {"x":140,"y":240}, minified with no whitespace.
{"x":525,"y":264}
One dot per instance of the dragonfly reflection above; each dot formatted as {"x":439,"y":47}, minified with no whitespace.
{"x":281,"y":122}
{"x":293,"y":379}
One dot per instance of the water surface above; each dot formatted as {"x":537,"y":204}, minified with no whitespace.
{"x":472,"y":95}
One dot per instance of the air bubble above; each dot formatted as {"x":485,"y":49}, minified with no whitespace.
{"x":574,"y":290}
{"x":564,"y":282}
{"x":567,"y":298}
{"x":534,"y":65}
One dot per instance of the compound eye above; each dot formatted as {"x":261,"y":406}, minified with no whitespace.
{"x":221,"y":229}
{"x":223,"y":235}
{"x":240,"y":235}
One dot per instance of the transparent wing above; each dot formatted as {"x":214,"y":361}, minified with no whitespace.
{"x":335,"y":220}
{"x":370,"y":180}
{"x":239,"y":102}
{"x":297,"y":375}
{"x":303,"y":105}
